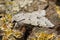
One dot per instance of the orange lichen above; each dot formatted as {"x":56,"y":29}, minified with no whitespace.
{"x":58,"y":10}
{"x":4,"y":27}
{"x":8,"y":32}
{"x":17,"y":34}
{"x":44,"y":36}
{"x":4,"y":38}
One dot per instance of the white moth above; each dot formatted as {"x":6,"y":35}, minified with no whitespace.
{"x":34,"y":18}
